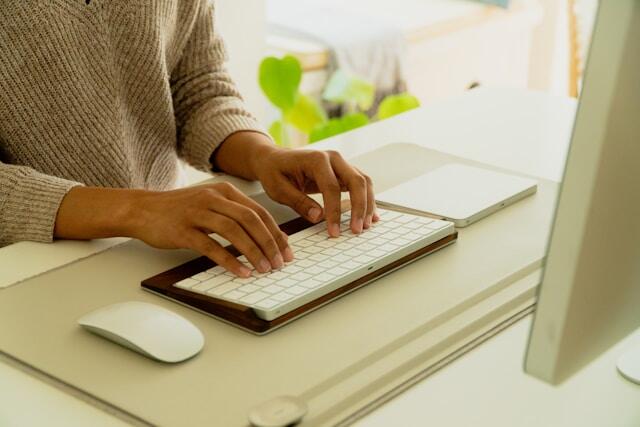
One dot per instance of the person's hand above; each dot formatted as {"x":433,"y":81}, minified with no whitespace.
{"x":184,"y":218}
{"x":289,"y":175}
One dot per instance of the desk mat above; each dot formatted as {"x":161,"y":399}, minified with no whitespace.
{"x":338,"y":359}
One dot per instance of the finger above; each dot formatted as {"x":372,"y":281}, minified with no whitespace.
{"x":256,"y":229}
{"x":233,"y":232}
{"x":285,"y":192}
{"x":371,"y":215}
{"x":329,"y":186}
{"x":279,"y":237}
{"x":200,"y":242}
{"x":357,"y":185}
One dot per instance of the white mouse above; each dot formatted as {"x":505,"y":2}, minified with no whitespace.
{"x":146,"y":328}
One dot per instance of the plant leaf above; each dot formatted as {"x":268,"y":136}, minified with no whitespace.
{"x":338,"y":126}
{"x":305,"y":114}
{"x":346,"y":88}
{"x":280,"y":79}
{"x":276,"y":130}
{"x":396,"y":104}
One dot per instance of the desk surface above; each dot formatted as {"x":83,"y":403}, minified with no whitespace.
{"x":531,"y":138}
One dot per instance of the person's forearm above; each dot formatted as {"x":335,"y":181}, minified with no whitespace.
{"x":93,"y":213}
{"x":238,"y":154}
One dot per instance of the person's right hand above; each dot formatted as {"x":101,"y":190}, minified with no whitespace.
{"x":183,"y":219}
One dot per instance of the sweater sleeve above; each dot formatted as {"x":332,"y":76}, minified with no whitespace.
{"x":207,"y":105}
{"x":29,"y":202}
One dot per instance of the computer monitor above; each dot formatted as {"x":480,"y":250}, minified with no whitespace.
{"x":590,"y":293}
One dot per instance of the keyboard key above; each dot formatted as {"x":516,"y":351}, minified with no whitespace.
{"x":282,"y":296}
{"x":317,"y":238}
{"x":377,"y":253}
{"x":201,"y":276}
{"x":218,"y":269}
{"x":304,"y":243}
{"x":244,"y":280}
{"x":344,"y":246}
{"x":339,"y":271}
{"x":378,"y":241}
{"x":217,"y":280}
{"x":402,"y":242}
{"x":413,"y":225}
{"x":315,"y":270}
{"x":340,"y":258}
{"x":291,"y":268}
{"x":186,"y":283}
{"x":248,"y":288}
{"x":272,"y":289}
{"x":327,"y":264}
{"x":301,"y":276}
{"x":234,"y":295}
{"x":403,"y":219}
{"x":312,"y":249}
{"x":304,"y":263}
{"x":319,"y":257}
{"x":296,"y":290}
{"x":331,"y":252}
{"x":287,"y":282}
{"x":366,"y":247}
{"x":311,"y":283}
{"x":353,"y":252}
{"x":326,"y":243}
{"x":324,"y":277}
{"x":437,"y":224}
{"x":254,"y":298}
{"x":302,"y":255}
{"x":278,"y":275}
{"x":265,"y":281}
{"x":267,"y":303}
{"x":364,"y":259}
{"x":223,"y":289}
{"x":350,"y":265}
{"x":388,"y":215}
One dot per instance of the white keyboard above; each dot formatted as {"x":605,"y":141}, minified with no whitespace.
{"x":321,"y":264}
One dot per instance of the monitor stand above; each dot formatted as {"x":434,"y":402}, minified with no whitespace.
{"x":629,"y":365}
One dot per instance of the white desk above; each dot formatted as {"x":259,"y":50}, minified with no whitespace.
{"x":527,"y":132}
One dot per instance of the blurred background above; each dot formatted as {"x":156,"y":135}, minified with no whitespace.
{"x":310,"y":69}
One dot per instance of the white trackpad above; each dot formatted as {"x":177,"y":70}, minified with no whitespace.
{"x":459,"y":193}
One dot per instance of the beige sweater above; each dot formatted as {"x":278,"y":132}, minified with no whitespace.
{"x":105,"y":93}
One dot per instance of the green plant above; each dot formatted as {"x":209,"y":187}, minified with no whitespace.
{"x":280,"y":80}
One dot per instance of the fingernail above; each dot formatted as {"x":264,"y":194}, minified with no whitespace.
{"x":357,"y":225}
{"x":367,"y":221}
{"x":264,"y":266}
{"x":334,"y":230}
{"x":376,"y":217}
{"x":288,"y":254}
{"x":244,"y":271}
{"x":277,"y":261}
{"x":314,"y":214}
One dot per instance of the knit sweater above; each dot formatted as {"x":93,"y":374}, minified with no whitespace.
{"x":106,"y":93}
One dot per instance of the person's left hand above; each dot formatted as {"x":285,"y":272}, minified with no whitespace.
{"x":289,"y":175}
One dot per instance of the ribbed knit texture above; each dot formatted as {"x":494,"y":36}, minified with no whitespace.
{"x":107,"y":94}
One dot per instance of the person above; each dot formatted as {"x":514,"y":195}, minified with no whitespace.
{"x":99,"y":99}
